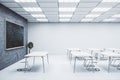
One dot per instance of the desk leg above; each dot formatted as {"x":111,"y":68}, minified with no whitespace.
{"x":74,"y":64}
{"x":109,"y":64}
{"x":25,"y":64}
{"x":84,"y":63}
{"x":43,"y":64}
{"x":47,"y":59}
{"x":33,"y":60}
{"x":69,"y":55}
{"x":67,"y":52}
{"x":70,"y":58}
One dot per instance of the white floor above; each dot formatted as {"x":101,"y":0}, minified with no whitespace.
{"x":59,"y":68}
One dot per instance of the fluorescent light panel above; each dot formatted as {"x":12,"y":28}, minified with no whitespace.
{"x":65,"y":15}
{"x":30,"y":9}
{"x":67,"y":9}
{"x":107,"y":20}
{"x":25,"y":0}
{"x":68,"y":1}
{"x":38,"y":15}
{"x":92,"y":15}
{"x":100,"y":9}
{"x":42,"y":20}
{"x":116,"y":16}
{"x":111,"y":1}
{"x":64,"y":20}
{"x":86,"y":20}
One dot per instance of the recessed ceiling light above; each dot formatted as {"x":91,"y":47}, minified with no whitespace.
{"x":108,"y":20}
{"x":25,"y":0}
{"x":65,"y":15}
{"x":67,"y":9}
{"x":42,"y":20}
{"x":92,"y":15}
{"x":111,"y":1}
{"x":38,"y":15}
{"x":100,"y":9}
{"x":30,"y":9}
{"x":64,"y":20}
{"x":116,"y":16}
{"x":86,"y":20}
{"x":67,"y":1}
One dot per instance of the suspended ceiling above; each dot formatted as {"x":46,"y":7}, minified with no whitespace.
{"x":66,"y":10}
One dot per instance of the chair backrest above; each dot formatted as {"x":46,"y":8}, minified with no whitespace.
{"x":111,"y":49}
{"x":96,"y":53}
{"x":117,"y":51}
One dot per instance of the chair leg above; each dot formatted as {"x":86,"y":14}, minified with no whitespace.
{"x":70,"y":58}
{"x":43,"y":64}
{"x":47,"y":59}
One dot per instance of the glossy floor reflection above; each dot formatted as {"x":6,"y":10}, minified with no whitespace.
{"x":59,"y":68}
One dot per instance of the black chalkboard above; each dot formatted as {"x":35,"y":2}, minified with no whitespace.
{"x":14,"y":36}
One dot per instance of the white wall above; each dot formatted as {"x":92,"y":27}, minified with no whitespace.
{"x":57,"y":37}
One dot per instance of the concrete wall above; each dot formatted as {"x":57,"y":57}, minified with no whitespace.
{"x":57,"y":37}
{"x":11,"y":56}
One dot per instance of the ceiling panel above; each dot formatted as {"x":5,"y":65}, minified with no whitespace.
{"x":55,"y":11}
{"x":49,"y":5}
{"x":90,"y":0}
{"x":17,"y":9}
{"x":98,"y":20}
{"x":103,"y":17}
{"x":107,"y":4}
{"x":68,"y":4}
{"x":23,"y":12}
{"x":112,"y":12}
{"x":67,"y":13}
{"x":11,"y":5}
{"x":83,"y":9}
{"x":27,"y":16}
{"x":81,"y":12}
{"x":87,"y":5}
{"x":47,"y":1}
{"x":7,"y":1}
{"x":33,"y":20}
{"x":50,"y":9}
{"x":77,"y":18}
{"x":29,"y":4}
{"x":52,"y":17}
{"x":53,"y":20}
{"x":32,"y":12}
{"x":115,"y":10}
{"x":51,"y":13}
{"x":118,"y":6}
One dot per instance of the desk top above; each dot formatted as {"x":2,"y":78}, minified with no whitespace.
{"x":73,"y":49}
{"x":95,"y":49}
{"x":37,"y":54}
{"x":107,"y":53}
{"x":114,"y":49}
{"x":81,"y":54}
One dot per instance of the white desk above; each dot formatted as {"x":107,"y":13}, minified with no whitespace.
{"x":110,"y":55}
{"x":72,"y":49}
{"x":113,"y":49}
{"x":79,"y":54}
{"x":69,"y":50}
{"x":41,"y":54}
{"x":95,"y":49}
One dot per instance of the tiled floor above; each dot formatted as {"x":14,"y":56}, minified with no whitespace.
{"x":59,"y":68}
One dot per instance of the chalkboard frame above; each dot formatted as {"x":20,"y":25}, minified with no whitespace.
{"x":15,"y":44}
